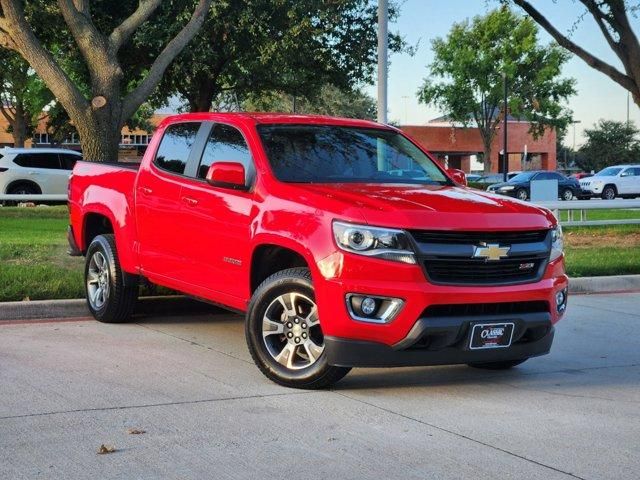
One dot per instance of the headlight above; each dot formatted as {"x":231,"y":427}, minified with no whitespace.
{"x":506,"y":189}
{"x":386,"y":243}
{"x":557,"y":242}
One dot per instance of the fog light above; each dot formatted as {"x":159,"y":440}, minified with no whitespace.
{"x":373,"y":309}
{"x":368,"y":306}
{"x":561,"y":300}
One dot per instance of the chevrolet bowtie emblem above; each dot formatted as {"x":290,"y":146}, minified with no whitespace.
{"x":491,"y":252}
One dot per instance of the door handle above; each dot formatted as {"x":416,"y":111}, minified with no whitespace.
{"x":190,"y":201}
{"x":145,"y":190}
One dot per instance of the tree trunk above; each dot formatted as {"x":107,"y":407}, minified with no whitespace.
{"x":486,"y":159}
{"x":203,"y":98}
{"x":19,"y":126}
{"x":100,"y":130}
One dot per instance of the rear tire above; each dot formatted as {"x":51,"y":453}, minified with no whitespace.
{"x":20,"y":189}
{"x":609,"y":192}
{"x":497,"y":365}
{"x":283,"y":332}
{"x":108,"y":298}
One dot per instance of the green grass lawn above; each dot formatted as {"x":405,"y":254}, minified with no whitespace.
{"x":34,"y":263}
{"x":33,"y":255}
{"x":602,"y":214}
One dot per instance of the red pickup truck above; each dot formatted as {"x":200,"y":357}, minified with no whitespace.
{"x":342,"y":240}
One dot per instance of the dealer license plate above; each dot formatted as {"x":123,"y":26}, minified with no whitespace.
{"x":491,"y":335}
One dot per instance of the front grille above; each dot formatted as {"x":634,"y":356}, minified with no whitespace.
{"x":479,"y":309}
{"x":470,"y":271}
{"x":511,"y":238}
{"x":448,"y":256}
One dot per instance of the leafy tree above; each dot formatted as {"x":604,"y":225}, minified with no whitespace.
{"x":22,"y":96}
{"x":330,"y":101}
{"x":467,"y":76}
{"x":612,"y":18}
{"x":112,"y":78}
{"x":249,"y":47}
{"x":609,"y":143}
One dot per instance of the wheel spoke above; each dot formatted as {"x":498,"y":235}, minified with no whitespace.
{"x":269,"y":327}
{"x":93,"y":277}
{"x":286,"y":307}
{"x":312,"y":319}
{"x":287,"y":355}
{"x":96,"y":294}
{"x":313,"y":350}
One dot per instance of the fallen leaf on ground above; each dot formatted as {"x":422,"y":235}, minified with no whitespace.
{"x":136,"y":431}
{"x":106,"y":449}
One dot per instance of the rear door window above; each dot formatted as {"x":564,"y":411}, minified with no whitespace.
{"x":175,"y":147}
{"x":226,"y":144}
{"x":38,"y":160}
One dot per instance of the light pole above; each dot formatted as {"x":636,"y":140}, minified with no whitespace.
{"x":405,"y":99}
{"x":505,"y":155}
{"x":573,"y":150}
{"x":383,"y":40}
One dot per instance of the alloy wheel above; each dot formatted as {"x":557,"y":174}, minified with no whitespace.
{"x":291,"y":331}
{"x":98,"y":281}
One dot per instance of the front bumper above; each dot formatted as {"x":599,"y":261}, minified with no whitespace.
{"x":445,"y":341}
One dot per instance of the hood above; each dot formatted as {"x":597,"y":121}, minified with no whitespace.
{"x":435,"y":207}
{"x":495,"y":186}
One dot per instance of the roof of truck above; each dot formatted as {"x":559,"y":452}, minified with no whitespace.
{"x":272,"y":118}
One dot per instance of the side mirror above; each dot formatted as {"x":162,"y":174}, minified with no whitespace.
{"x":227,"y":175}
{"x":458,"y":176}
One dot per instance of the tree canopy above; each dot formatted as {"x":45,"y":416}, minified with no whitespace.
{"x":22,"y":96}
{"x":84,"y":52}
{"x":330,"y":100}
{"x":609,"y":143}
{"x":612,"y":19}
{"x":249,"y":47}
{"x":466,"y":76}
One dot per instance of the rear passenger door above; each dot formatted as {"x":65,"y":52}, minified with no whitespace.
{"x":217,"y":220}
{"x":162,"y":242}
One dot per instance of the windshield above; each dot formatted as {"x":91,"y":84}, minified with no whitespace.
{"x":522,"y":177}
{"x":608,"y":172}
{"x":333,"y":154}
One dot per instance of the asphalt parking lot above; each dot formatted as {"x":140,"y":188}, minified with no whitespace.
{"x":67,"y":387}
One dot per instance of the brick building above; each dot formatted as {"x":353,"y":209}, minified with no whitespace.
{"x":454,"y":145}
{"x":133,"y":143}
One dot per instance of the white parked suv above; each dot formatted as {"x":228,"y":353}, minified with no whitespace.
{"x":611,"y":182}
{"x":31,"y":171}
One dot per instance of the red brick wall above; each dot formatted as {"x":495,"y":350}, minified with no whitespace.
{"x":442,"y":140}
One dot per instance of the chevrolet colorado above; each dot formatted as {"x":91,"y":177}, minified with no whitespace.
{"x":342,"y":240}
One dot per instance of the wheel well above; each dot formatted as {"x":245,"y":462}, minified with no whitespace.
{"x":94,"y":225}
{"x":612,"y":185}
{"x":269,"y":259}
{"x":30,"y":183}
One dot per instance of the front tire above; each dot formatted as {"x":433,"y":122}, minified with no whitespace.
{"x":108,"y":298}
{"x":609,"y":193}
{"x":497,"y":365}
{"x":283,"y":332}
{"x":522,"y":194}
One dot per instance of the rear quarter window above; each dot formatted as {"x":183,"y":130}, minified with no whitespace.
{"x":175,"y":147}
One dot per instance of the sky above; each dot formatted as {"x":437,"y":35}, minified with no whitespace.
{"x":421,"y":21}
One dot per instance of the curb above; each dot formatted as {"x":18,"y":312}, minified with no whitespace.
{"x":612,"y":284}
{"x":42,"y":309}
